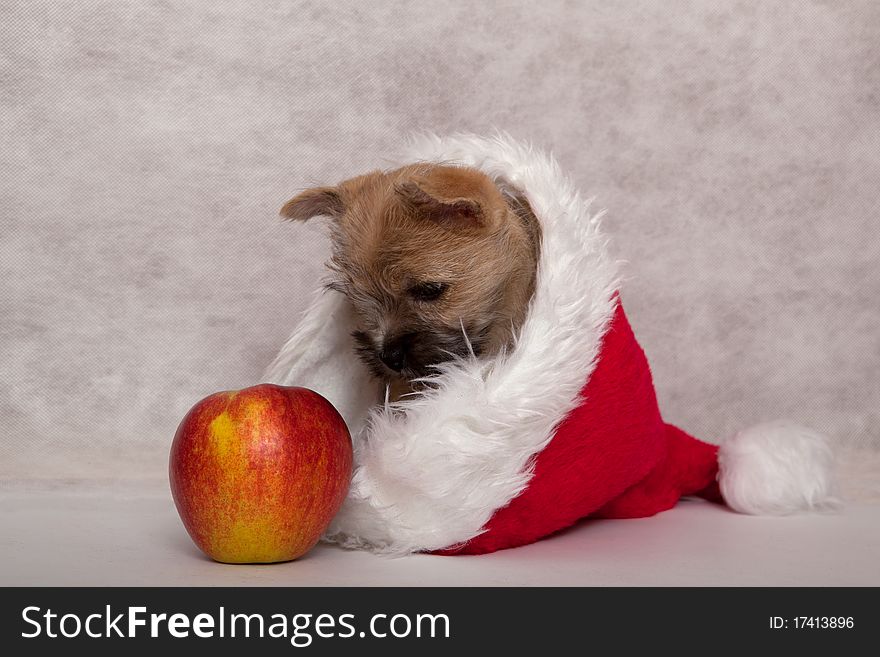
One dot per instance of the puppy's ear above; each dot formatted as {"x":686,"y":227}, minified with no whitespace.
{"x":448,"y":199}
{"x":320,"y":201}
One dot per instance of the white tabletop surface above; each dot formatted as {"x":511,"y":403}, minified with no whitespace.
{"x":125,"y":535}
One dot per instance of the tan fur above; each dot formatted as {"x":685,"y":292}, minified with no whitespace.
{"x":397,"y":232}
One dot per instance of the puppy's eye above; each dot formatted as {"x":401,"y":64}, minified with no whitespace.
{"x":427,"y":291}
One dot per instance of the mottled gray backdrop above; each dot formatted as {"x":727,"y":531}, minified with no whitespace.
{"x":145,"y":148}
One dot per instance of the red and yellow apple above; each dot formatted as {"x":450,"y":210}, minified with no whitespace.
{"x":257,"y":474}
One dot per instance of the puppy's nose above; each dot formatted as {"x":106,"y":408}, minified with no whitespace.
{"x":393,"y":354}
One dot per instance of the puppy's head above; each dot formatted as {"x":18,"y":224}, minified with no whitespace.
{"x":437,"y":261}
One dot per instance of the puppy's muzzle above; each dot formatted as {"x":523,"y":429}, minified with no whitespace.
{"x":393,"y":353}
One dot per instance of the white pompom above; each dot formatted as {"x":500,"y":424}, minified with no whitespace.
{"x":776,"y":468}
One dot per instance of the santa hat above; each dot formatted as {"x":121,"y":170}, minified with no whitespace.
{"x":503,"y":452}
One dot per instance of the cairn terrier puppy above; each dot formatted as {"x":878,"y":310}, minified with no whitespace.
{"x":439,"y":262}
